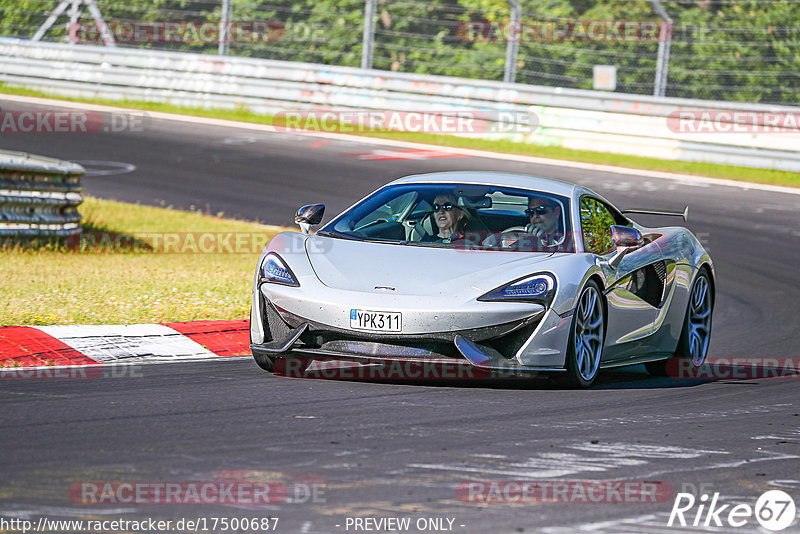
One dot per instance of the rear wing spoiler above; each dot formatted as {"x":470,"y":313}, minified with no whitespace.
{"x":684,"y":213}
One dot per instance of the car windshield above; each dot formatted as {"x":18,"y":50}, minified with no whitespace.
{"x":459,"y":216}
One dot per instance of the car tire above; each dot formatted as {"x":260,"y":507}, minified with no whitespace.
{"x":264,"y":361}
{"x":587,"y":337}
{"x":696,"y":333}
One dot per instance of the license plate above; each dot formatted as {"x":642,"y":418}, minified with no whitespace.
{"x":375,"y":321}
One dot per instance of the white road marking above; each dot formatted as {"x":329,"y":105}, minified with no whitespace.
{"x":791,"y":484}
{"x":602,"y":458}
{"x":661,"y":418}
{"x":724,"y":465}
{"x":96,"y":167}
{"x":644,"y":451}
{"x":544,"y":465}
{"x":787,"y":435}
{"x":239,"y":140}
{"x":114,"y":343}
{"x":642,"y":524}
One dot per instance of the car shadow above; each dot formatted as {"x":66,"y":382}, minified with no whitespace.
{"x":461,"y":375}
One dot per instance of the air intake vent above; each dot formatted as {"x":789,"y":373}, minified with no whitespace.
{"x":655,"y":274}
{"x":660,"y":268}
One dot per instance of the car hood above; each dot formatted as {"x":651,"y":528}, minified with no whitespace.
{"x":413,"y":270}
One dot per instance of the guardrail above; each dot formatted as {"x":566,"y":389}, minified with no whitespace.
{"x":39,"y":196}
{"x":570,"y":118}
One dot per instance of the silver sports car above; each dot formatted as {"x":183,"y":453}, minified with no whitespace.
{"x":505,"y":273}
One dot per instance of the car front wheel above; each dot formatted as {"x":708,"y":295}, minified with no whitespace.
{"x":585,"y":349}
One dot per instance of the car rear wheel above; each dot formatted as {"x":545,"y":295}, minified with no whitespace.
{"x":585,"y":349}
{"x":696,"y":333}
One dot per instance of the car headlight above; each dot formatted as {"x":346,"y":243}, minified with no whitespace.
{"x":275,"y":270}
{"x":539,"y":288}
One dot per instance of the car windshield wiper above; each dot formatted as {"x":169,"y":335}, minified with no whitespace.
{"x":337,"y":235}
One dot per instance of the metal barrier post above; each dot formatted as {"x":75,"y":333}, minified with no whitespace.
{"x":369,"y":34}
{"x":664,"y":41}
{"x":512,"y":47}
{"x":74,"y":15}
{"x":224,"y":27}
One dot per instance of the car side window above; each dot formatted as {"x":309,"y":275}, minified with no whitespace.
{"x":596,"y":222}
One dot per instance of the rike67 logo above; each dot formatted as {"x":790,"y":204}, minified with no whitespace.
{"x":774,"y":510}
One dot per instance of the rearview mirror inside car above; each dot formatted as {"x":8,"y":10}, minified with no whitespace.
{"x":482,"y":202}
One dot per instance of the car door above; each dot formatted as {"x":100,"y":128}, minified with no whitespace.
{"x":630,"y":287}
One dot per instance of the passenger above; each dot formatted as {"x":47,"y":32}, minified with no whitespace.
{"x":449,"y":218}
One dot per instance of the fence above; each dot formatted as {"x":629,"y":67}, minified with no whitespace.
{"x":39,"y":196}
{"x":570,"y":118}
{"x":722,"y":50}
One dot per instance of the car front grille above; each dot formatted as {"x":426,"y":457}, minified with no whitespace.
{"x":507,"y":338}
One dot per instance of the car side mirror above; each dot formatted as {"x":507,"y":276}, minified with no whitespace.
{"x":625,"y":236}
{"x":309,"y":216}
{"x":626,"y":239}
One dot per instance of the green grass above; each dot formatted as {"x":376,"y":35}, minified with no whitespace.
{"x":106,"y":284}
{"x":746,"y":174}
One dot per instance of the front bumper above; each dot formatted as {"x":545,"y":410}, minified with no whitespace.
{"x":505,"y":346}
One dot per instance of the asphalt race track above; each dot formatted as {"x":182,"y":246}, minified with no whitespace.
{"x":347,"y":450}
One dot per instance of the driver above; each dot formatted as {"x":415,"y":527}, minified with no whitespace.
{"x":545,"y":221}
{"x":542,"y":232}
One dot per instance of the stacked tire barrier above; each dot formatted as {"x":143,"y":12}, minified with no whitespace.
{"x":39,"y":196}
{"x":726,"y":133}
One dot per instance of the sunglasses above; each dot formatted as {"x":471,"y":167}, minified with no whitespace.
{"x":447,"y":206}
{"x":538,"y":210}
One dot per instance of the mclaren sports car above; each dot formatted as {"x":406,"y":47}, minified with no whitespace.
{"x":497,"y":272}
